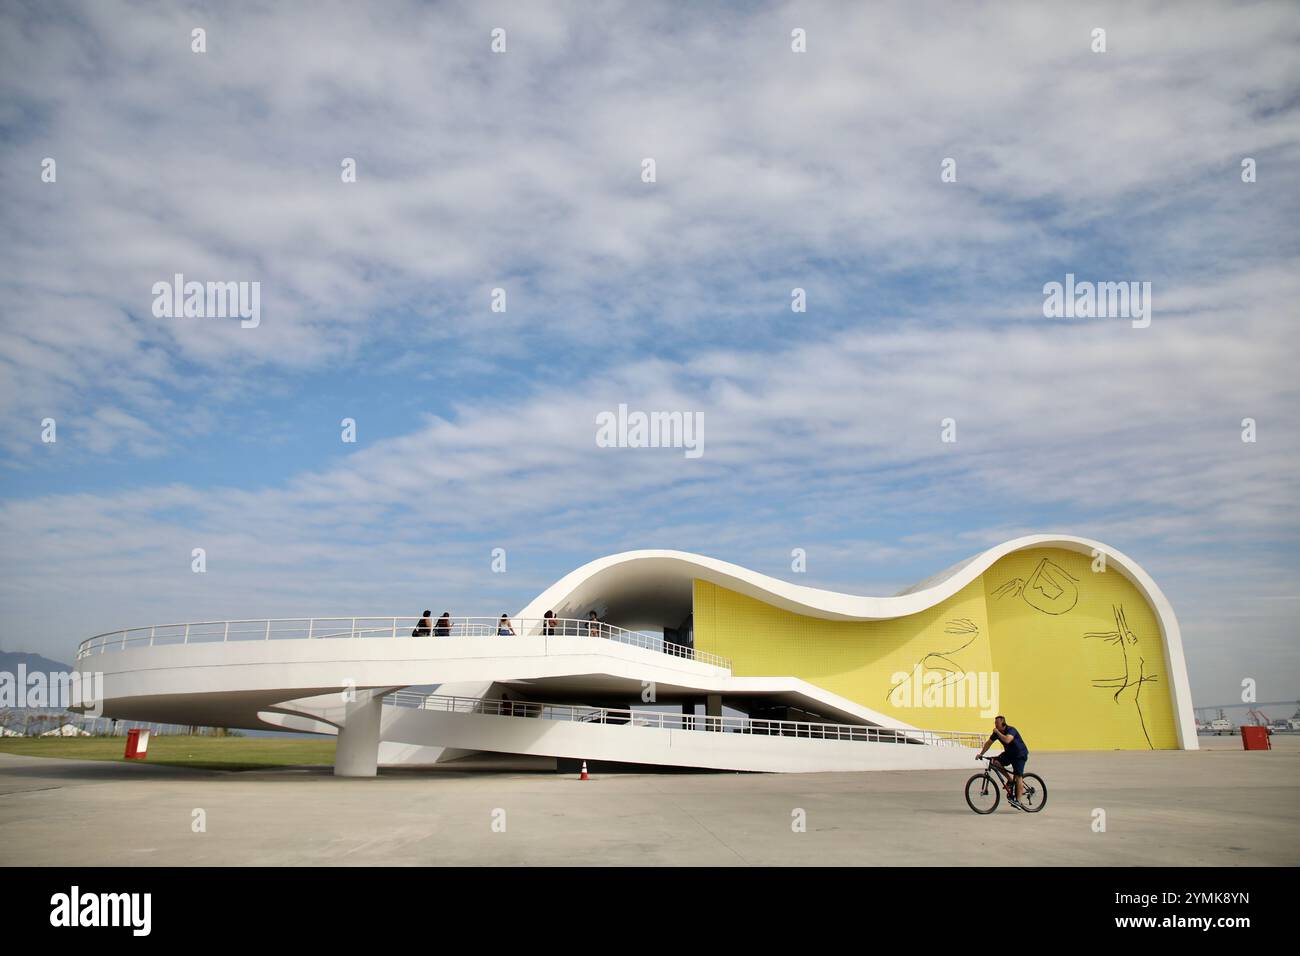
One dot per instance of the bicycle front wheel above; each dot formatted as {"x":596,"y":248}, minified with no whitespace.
{"x":983,"y":793}
{"x":1035,"y":793}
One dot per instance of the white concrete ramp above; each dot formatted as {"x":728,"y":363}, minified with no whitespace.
{"x":321,"y":677}
{"x":666,"y":739}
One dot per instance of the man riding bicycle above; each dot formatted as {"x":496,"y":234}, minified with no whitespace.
{"x":1014,"y":754}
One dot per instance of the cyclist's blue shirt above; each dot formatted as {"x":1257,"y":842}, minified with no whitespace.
{"x":1017,"y":746}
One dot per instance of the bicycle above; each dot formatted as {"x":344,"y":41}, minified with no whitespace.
{"x":983,"y":794}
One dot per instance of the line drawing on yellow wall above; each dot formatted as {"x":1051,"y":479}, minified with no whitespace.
{"x":1124,"y":638}
{"x":942,"y":660}
{"x":1050,"y":589}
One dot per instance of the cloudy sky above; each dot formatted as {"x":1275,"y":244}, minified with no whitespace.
{"x":522,"y":171}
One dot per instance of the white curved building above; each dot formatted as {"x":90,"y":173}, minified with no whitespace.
{"x":694,"y":662}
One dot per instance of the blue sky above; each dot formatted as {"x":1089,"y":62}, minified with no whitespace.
{"x":521,"y":170}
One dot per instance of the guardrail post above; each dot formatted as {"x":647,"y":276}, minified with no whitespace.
{"x":185,"y":641}
{"x":311,"y":624}
{"x":225,"y":635}
{"x":354,"y":627}
{"x":268,"y":629}
{"x":394,"y":627}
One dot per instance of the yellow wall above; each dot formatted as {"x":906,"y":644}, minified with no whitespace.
{"x":1026,"y":619}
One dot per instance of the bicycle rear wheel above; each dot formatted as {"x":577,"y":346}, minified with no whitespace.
{"x":1035,"y":793}
{"x":983,"y":794}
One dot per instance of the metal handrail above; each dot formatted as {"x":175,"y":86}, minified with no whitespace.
{"x":665,"y":720}
{"x":322,"y":628}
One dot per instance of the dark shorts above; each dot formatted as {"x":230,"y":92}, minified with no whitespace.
{"x":1014,"y":763}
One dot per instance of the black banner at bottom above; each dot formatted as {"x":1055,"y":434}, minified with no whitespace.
{"x":341,"y":904}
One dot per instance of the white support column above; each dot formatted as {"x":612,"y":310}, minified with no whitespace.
{"x":357,"y":752}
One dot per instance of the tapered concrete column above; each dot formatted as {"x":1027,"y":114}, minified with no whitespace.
{"x":357,"y":752}
{"x":712,"y":710}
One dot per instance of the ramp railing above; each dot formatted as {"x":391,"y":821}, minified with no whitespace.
{"x":410,"y":628}
{"x":666,"y":720}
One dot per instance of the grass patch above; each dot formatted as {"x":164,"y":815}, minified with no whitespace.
{"x":201,"y":753}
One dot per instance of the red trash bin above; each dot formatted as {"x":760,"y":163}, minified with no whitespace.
{"x":1255,"y":738}
{"x":137,"y":744}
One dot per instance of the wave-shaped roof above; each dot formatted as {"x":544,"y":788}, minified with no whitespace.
{"x":637,"y":582}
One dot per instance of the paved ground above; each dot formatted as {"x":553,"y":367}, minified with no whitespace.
{"x":1217,"y":807}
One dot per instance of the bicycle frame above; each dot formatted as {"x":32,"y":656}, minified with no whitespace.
{"x":1006,"y":778}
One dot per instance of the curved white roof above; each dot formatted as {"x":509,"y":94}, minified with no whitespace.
{"x":664,"y":572}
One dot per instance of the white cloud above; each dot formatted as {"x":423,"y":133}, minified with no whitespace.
{"x":523,"y":168}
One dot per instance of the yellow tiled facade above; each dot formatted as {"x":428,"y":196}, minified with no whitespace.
{"x":1077,"y":654}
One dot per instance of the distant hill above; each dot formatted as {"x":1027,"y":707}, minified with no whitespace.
{"x":9,"y":661}
{"x":35,"y":663}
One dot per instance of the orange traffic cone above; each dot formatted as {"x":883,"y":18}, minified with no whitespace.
{"x":584,"y":771}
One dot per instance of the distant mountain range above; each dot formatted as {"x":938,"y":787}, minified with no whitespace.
{"x":9,"y":661}
{"x":35,"y":664}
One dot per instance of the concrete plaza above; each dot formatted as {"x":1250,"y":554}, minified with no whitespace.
{"x":1219,"y":806}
